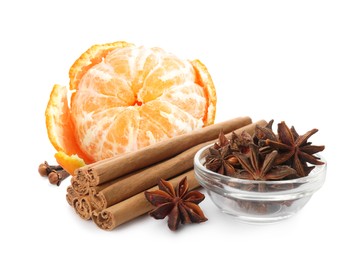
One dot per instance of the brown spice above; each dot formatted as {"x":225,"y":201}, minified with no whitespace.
{"x":221,"y":160}
{"x":45,"y":169}
{"x":271,"y":156}
{"x":179,"y":204}
{"x":56,"y":177}
{"x":294,"y":149}
{"x":254,"y":168}
{"x":71,"y":195}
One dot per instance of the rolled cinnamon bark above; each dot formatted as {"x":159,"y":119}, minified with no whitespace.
{"x":109,"y":169}
{"x":122,"y":212}
{"x":82,"y":187}
{"x":80,"y":183}
{"x":71,"y":195}
{"x":82,"y":206}
{"x":144,"y":179}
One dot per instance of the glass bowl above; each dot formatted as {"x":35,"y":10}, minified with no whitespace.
{"x":258,"y":201}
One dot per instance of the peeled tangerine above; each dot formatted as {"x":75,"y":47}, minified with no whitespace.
{"x":123,"y":98}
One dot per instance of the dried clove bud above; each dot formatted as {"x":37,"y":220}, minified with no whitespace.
{"x":56,"y":177}
{"x":45,"y":169}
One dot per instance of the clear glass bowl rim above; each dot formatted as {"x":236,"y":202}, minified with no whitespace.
{"x":317,"y":173}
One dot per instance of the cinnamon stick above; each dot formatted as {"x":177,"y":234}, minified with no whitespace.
{"x":71,"y":195}
{"x":109,"y":169}
{"x":82,"y":206}
{"x":122,"y":212}
{"x":81,"y":202}
{"x":149,"y":176}
{"x":80,"y":183}
{"x":144,"y":179}
{"x":82,"y":187}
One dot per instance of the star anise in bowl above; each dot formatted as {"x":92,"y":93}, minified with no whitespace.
{"x":269,"y":180}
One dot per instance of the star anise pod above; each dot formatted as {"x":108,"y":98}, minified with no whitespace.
{"x":240,"y":143}
{"x":256,"y":168}
{"x":263,"y":133}
{"x":295,"y":149}
{"x":221,"y":160}
{"x":221,"y":141}
{"x":179,"y":204}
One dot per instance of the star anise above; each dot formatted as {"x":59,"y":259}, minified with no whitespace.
{"x":294,"y":149}
{"x":221,"y":160}
{"x":180,"y":205}
{"x":221,"y":141}
{"x":263,"y":133}
{"x":240,"y":143}
{"x":256,"y":168}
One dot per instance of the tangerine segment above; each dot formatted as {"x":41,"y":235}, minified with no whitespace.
{"x":100,"y":89}
{"x":59,"y":124}
{"x":92,"y":56}
{"x":114,"y":133}
{"x":170,"y":119}
{"x":69,"y":163}
{"x":189,"y":97}
{"x":57,"y":117}
{"x":134,"y":63}
{"x":168,"y":73}
{"x":203,"y":78}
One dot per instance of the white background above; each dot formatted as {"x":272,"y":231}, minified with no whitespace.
{"x":298,"y":61}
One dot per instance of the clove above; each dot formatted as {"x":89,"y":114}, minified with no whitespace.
{"x":56,"y":177}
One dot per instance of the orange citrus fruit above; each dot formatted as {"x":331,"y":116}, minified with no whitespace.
{"x":124,"y":97}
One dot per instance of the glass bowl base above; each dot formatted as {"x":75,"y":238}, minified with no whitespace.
{"x":258,"y":212}
{"x":258,"y":220}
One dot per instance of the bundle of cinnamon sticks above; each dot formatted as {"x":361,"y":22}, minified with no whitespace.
{"x":111,"y":191}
